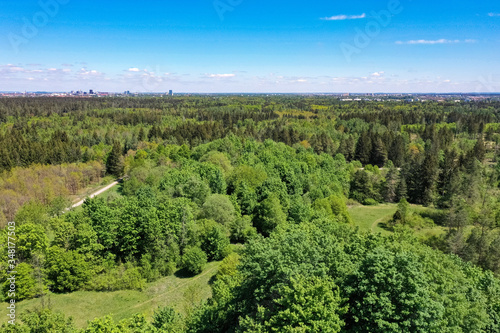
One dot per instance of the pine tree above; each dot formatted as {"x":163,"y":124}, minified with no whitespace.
{"x":391,"y":183}
{"x":113,"y":164}
{"x":141,"y":135}
{"x":429,"y":173}
{"x":378,"y":152}
{"x":363,"y":149}
{"x":401,"y":191}
{"x":397,"y":151}
{"x":479,"y":150}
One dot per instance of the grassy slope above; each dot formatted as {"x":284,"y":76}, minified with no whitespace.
{"x":369,"y":217}
{"x":180,"y":293}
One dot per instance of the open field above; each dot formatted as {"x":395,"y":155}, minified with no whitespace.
{"x":369,"y":217}
{"x":176,"y":291}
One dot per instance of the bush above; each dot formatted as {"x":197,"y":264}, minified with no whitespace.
{"x":168,"y":320}
{"x":123,"y":277}
{"x":26,"y":286}
{"x":419,"y":222}
{"x":228,"y":266}
{"x":194,"y":260}
{"x":370,"y":202}
{"x":352,"y":202}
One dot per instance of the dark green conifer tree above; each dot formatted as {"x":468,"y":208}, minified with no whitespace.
{"x":114,"y":165}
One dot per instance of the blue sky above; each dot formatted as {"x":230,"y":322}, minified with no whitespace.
{"x":250,"y":46}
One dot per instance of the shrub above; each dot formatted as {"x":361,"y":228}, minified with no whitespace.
{"x":370,"y":202}
{"x":194,"y":260}
{"x":123,"y":277}
{"x":168,"y":320}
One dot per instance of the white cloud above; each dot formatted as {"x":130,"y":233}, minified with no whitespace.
{"x":493,"y":14}
{"x":344,"y":17}
{"x":220,"y":76}
{"x":377,"y":74}
{"x":434,"y":42}
{"x":134,"y":69}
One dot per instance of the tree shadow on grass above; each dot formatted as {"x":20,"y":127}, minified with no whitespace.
{"x":184,"y":274}
{"x":385,"y":226}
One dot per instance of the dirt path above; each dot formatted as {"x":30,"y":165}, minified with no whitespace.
{"x":374,"y":224}
{"x":79,"y":203}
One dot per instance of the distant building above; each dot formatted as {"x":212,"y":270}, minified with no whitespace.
{"x":91,"y":92}
{"x":170,"y":93}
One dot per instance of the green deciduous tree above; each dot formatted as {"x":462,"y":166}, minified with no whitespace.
{"x":66,"y":270}
{"x":269,"y":214}
{"x":31,"y":238}
{"x":219,"y":208}
{"x":214,"y":240}
{"x":194,"y":260}
{"x":307,"y":304}
{"x":389,"y":293}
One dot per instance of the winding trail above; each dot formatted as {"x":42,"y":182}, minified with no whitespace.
{"x":102,"y":190}
{"x":375,"y":223}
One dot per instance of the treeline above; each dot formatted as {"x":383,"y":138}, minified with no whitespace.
{"x":467,"y":120}
{"x":371,"y":132}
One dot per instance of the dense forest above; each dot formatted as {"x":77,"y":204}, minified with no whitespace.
{"x":261,"y":184}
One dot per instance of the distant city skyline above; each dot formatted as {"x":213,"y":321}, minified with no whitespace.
{"x":237,"y":46}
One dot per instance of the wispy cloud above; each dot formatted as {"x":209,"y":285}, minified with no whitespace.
{"x":434,"y":42}
{"x":344,"y":17}
{"x":220,"y":76}
{"x":134,"y":69}
{"x":493,"y":14}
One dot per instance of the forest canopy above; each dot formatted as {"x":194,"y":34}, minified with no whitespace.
{"x":263,"y":186}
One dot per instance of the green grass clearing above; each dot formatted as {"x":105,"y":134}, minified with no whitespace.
{"x":180,"y":293}
{"x":367,"y":218}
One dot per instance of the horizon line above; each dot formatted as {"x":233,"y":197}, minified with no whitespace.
{"x":252,"y":93}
